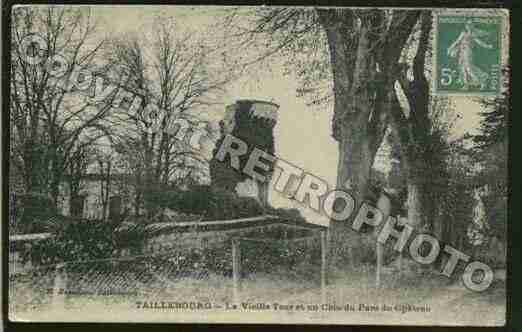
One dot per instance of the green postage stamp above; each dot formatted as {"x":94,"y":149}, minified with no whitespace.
{"x":468,"y":54}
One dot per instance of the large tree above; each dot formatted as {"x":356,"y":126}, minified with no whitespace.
{"x":52,"y":123}
{"x":422,"y":132}
{"x":364,"y":47}
{"x":170,"y":71}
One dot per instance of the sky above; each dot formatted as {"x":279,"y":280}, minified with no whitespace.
{"x":302,"y":133}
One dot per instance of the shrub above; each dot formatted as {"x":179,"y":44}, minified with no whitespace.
{"x":213,"y":204}
{"x":297,"y":259}
{"x":77,"y":240}
{"x":31,"y":212}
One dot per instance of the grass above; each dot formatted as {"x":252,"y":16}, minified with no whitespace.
{"x":450,"y":303}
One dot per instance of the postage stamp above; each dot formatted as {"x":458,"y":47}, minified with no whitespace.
{"x":468,"y":54}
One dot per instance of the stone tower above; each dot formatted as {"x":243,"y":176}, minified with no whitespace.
{"x":253,"y":122}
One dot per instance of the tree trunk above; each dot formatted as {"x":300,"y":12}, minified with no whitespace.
{"x":105,"y":187}
{"x":417,"y":216}
{"x":149,"y":169}
{"x":76,"y":206}
{"x":138,"y":192}
{"x":56,"y":178}
{"x":33,"y":168}
{"x":353,"y":169}
{"x":363,"y":68}
{"x":416,"y":192}
{"x":55,"y":193}
{"x":413,"y":132}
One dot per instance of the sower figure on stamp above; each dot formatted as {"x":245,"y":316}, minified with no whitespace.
{"x":462,"y":49}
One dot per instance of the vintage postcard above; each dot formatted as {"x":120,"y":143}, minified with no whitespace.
{"x":283,"y":165}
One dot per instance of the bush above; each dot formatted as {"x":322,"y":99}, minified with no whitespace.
{"x":296,"y":259}
{"x":31,"y":212}
{"x":225,"y":205}
{"x":216,"y":204}
{"x":213,"y":204}
{"x":80,"y":240}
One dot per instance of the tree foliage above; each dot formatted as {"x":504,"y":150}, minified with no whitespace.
{"x":53,"y":125}
{"x":491,"y":153}
{"x":170,"y":72}
{"x":255,"y":132}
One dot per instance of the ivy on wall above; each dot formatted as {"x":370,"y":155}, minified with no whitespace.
{"x":257,"y":132}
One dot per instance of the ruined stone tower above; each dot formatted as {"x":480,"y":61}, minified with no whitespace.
{"x":253,"y":122}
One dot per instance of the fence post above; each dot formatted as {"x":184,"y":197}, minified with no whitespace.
{"x":399,"y":264}
{"x":236,"y":267}
{"x":323,"y":265}
{"x":60,"y":285}
{"x":379,"y":251}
